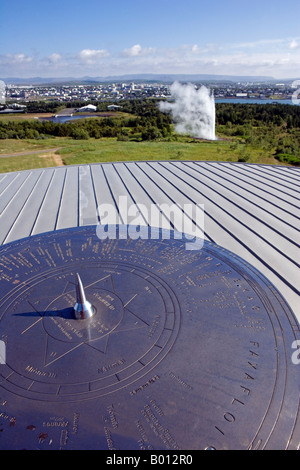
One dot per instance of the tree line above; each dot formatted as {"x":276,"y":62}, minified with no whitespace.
{"x":274,"y":127}
{"x":145,"y":122}
{"x":255,"y":114}
{"x":271,"y":127}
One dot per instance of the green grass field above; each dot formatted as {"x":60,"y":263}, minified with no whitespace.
{"x":111,"y":150}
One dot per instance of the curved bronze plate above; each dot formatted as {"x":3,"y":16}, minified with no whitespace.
{"x":186,"y":349}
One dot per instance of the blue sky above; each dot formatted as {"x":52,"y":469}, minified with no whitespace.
{"x":114,"y":37}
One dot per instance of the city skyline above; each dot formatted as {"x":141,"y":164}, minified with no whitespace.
{"x":98,"y":38}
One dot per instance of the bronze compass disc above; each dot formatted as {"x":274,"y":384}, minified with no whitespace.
{"x":182,"y":350}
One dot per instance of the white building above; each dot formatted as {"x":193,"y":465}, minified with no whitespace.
{"x":88,"y":108}
{"x":113,"y":107}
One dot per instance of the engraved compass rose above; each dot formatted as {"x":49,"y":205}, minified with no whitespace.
{"x":140,"y":344}
{"x":60,"y":323}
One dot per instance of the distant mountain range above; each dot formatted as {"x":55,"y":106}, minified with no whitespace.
{"x":163,"y":78}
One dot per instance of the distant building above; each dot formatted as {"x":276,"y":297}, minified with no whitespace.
{"x":17,"y":106}
{"x":113,"y":107}
{"x":9,"y":110}
{"x":88,"y":108}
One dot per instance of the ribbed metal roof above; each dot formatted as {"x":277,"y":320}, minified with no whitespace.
{"x":252,"y":210}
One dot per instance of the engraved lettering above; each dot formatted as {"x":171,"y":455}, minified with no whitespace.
{"x":61,"y":328}
{"x":254,"y":366}
{"x":142,"y":387}
{"x":34,"y":370}
{"x":157,"y":407}
{"x":109,"y":367}
{"x":158,"y":429}
{"x":246,"y":390}
{"x":154,"y":326}
{"x":64,"y":438}
{"x":109,"y":440}
{"x":59,"y":251}
{"x":218,"y":429}
{"x":249,"y":377}
{"x":112,"y":415}
{"x":50,"y":261}
{"x":212,"y":274}
{"x":238,"y":401}
{"x":229,"y":417}
{"x":105,"y":300}
{"x":75,"y":423}
{"x":55,"y":424}
{"x":143,"y":443}
{"x":178,"y":379}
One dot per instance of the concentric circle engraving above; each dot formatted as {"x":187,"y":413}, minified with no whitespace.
{"x":185,"y":348}
{"x":136,"y":322}
{"x":60,"y":324}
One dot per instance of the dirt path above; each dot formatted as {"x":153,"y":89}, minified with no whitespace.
{"x":33,"y":152}
{"x":57,"y":158}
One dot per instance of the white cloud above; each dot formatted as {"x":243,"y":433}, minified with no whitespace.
{"x":196,"y":49}
{"x":278,"y":58}
{"x":91,"y":56}
{"x":207,"y":48}
{"x":137,"y":50}
{"x":54,"y":58}
{"x":294,"y":44}
{"x":133,"y":51}
{"x":258,"y":44}
{"x":17,"y":58}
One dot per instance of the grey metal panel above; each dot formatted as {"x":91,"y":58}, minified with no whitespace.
{"x":224,"y":221}
{"x":227,"y":231}
{"x":262,"y":223}
{"x":291,"y":171}
{"x":87,"y":198}
{"x":266,"y":202}
{"x":261,"y":182}
{"x":10,"y":188}
{"x":116,"y":187}
{"x":26,"y":218}
{"x":249,"y":238}
{"x":16,"y":205}
{"x":47,"y":217}
{"x":132,"y":184}
{"x":103,"y":193}
{"x":272,"y":178}
{"x":249,"y":202}
{"x":163,"y":191}
{"x":5,"y":180}
{"x":264,"y":191}
{"x":137,"y":194}
{"x":68,"y":210}
{"x":282,"y":177}
{"x":252,"y":210}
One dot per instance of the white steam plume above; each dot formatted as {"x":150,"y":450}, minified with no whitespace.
{"x":193,"y":110}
